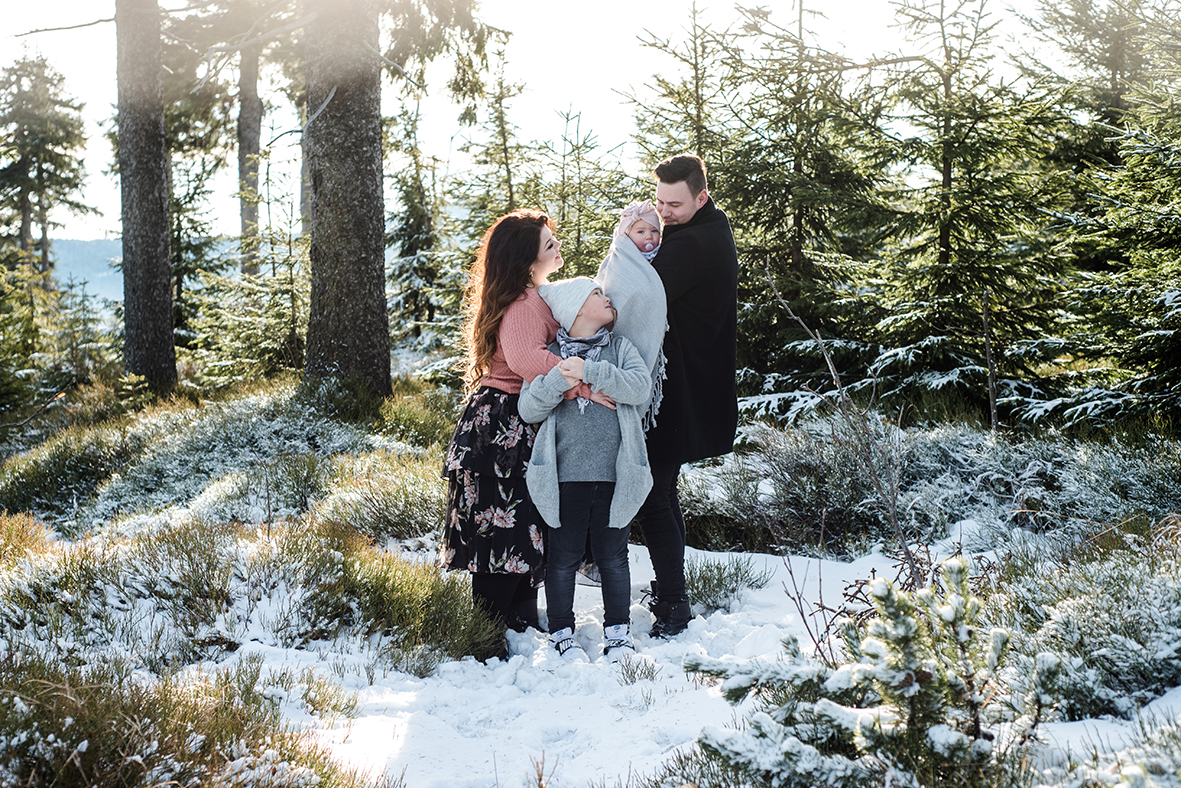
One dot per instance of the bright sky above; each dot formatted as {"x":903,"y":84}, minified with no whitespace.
{"x":572,"y":56}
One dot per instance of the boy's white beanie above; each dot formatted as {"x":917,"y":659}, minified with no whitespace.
{"x":566,"y":297}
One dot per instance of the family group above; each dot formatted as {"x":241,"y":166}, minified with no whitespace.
{"x":587,"y":397}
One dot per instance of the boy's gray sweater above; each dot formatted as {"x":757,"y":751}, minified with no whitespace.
{"x":630,"y":385}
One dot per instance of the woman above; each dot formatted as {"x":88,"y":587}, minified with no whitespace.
{"x":493,"y":529}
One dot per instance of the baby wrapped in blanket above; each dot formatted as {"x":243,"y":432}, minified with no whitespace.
{"x":635,"y":289}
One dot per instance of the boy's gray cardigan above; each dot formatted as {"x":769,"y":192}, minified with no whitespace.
{"x":630,"y":385}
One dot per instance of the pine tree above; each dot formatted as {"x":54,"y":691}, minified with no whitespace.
{"x":686,"y":115}
{"x":415,"y":275}
{"x":503,"y":165}
{"x":802,"y":195}
{"x":584,"y":190}
{"x":964,"y":206}
{"x":45,"y":139}
{"x":912,"y":705}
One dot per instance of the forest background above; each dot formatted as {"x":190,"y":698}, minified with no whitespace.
{"x":976,"y":230}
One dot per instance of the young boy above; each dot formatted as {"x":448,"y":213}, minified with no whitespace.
{"x":589,"y":472}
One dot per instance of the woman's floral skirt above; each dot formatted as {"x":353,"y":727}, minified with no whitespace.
{"x":492,"y":524}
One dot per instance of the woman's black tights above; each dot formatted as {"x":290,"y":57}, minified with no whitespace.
{"x":510,"y":599}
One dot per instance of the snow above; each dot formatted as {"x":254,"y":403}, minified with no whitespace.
{"x":501,"y":723}
{"x":472,"y":724}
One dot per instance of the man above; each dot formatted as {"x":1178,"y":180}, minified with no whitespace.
{"x":698,"y":265}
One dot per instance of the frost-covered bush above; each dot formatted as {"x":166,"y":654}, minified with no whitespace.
{"x":154,"y":596}
{"x":278,"y":488}
{"x":386,"y":495}
{"x":1151,"y":760}
{"x":422,"y":615}
{"x":913,"y":706}
{"x":250,"y":436}
{"x":67,"y":469}
{"x":723,"y":507}
{"x":178,"y":592}
{"x":801,"y":483}
{"x":1109,"y":608}
{"x":104,"y":723}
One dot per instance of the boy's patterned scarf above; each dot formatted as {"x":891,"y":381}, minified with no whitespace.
{"x":589,"y":348}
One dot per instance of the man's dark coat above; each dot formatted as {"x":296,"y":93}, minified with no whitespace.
{"x":698,"y":264}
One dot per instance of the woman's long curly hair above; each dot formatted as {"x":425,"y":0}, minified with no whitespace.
{"x":498,"y":277}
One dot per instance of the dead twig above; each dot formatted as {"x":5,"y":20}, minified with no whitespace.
{"x":44,"y":405}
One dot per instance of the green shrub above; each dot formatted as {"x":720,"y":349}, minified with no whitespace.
{"x":423,"y":615}
{"x":104,"y":724}
{"x":420,"y":414}
{"x":715,"y":584}
{"x":68,"y":469}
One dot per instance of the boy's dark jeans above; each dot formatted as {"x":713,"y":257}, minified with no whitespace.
{"x":585,"y":508}
{"x":663,"y":527}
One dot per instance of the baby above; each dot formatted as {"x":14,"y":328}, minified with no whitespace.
{"x":636,"y":290}
{"x":640,"y":222}
{"x":589,"y":471}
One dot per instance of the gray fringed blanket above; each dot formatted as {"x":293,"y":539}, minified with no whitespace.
{"x":637,"y":294}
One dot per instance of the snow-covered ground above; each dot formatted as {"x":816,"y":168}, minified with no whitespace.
{"x":499,"y":724}
{"x":474,"y":725}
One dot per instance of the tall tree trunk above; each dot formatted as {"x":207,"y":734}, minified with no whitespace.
{"x":25,"y":200}
{"x":249,"y":135}
{"x":143,"y":179}
{"x":43,"y":220}
{"x":348,"y":326}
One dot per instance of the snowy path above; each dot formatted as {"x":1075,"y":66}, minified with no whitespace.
{"x":475,"y":726}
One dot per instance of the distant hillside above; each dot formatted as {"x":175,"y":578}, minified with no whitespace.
{"x":90,"y":262}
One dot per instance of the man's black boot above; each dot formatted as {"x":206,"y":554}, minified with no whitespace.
{"x":671,"y":618}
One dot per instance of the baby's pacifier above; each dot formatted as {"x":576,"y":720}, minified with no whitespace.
{"x":648,"y":247}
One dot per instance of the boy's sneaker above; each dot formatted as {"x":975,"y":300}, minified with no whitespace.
{"x":567,"y":647}
{"x":617,"y":642}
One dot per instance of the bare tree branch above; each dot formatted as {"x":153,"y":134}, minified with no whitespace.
{"x":212,"y":53}
{"x":865,"y":446}
{"x":302,"y":129}
{"x":68,"y":27}
{"x":394,"y":66}
{"x":44,"y":405}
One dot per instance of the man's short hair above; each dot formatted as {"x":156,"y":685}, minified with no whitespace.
{"x":685,"y":167}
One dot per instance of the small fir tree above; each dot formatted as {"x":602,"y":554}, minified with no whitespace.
{"x":914,"y":705}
